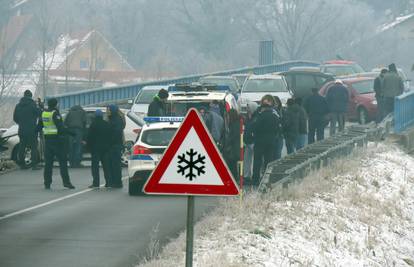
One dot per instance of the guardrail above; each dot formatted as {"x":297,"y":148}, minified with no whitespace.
{"x":403,"y":111}
{"x":107,"y":95}
{"x":293,"y":167}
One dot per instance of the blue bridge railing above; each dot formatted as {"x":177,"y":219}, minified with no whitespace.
{"x":403,"y":111}
{"x":107,"y":95}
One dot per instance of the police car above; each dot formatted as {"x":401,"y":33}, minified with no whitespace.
{"x":147,"y":151}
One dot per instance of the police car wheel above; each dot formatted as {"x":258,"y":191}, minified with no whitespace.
{"x":135,"y":189}
{"x":126,"y":153}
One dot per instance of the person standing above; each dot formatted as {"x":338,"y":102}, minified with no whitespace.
{"x":117,"y":125}
{"x":291,"y":125}
{"x":337,"y":99}
{"x":157,"y":107}
{"x":379,"y":94}
{"x":279,"y":139}
{"x":26,"y":114}
{"x":248,"y":140}
{"x":265,"y":130}
{"x":303,"y":124}
{"x":98,"y":137}
{"x":54,"y":133}
{"x":75,"y":121}
{"x":317,"y":109}
{"x":232,"y":145}
{"x":393,"y":86}
{"x":217,"y":122}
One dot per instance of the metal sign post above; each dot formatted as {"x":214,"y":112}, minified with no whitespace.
{"x":190,"y":232}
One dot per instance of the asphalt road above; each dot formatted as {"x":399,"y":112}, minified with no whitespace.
{"x":83,"y":227}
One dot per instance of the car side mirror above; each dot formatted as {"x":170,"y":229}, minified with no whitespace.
{"x":130,"y":101}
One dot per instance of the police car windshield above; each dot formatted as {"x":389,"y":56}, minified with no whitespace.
{"x":146,"y":96}
{"x":264,"y":85}
{"x":158,"y":137}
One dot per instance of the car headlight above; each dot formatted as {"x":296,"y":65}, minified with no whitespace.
{"x":374,"y":102}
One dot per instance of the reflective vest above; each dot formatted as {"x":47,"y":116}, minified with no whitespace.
{"x":49,"y":127}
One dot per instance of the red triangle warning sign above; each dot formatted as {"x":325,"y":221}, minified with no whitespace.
{"x":192,"y":164}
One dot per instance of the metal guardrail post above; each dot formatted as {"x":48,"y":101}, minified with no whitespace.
{"x":403,"y":111}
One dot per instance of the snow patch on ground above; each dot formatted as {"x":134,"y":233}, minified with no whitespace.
{"x":358,"y":212}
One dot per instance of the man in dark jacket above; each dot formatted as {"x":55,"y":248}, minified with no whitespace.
{"x":379,"y":94}
{"x":54,"y":132}
{"x":393,"y":86}
{"x":303,"y":124}
{"x":117,"y":125}
{"x":291,"y":125}
{"x":157,"y":107}
{"x":98,"y":141}
{"x":26,"y":115}
{"x":76,"y":123}
{"x":337,"y":99}
{"x":266,"y":128}
{"x":317,"y":110}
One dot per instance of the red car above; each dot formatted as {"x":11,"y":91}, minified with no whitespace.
{"x":362,"y":105}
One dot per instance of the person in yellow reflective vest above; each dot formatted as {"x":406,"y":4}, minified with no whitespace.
{"x":54,"y":133}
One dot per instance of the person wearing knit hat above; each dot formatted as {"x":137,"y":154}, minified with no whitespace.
{"x":157,"y":107}
{"x":337,"y":99}
{"x":98,"y":142}
{"x":26,"y":115}
{"x":54,"y":133}
{"x":392,"y":86}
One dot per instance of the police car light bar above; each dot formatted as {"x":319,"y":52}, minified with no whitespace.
{"x":163,"y":119}
{"x":197,"y":87}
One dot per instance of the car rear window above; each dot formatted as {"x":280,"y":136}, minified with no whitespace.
{"x":180,"y":109}
{"x":265,"y":85}
{"x":364,"y":87}
{"x":232,"y":84}
{"x":145,"y":96}
{"x":158,"y":137}
{"x":340,"y":70}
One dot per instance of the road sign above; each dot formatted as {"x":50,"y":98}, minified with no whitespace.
{"x":192,"y":164}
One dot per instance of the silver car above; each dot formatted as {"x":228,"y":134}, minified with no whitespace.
{"x":257,"y":86}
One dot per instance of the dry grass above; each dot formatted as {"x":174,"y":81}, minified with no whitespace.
{"x":349,"y":208}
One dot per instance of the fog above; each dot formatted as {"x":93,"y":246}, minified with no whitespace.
{"x":187,"y":36}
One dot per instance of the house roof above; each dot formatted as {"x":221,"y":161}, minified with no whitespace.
{"x":69,"y":43}
{"x":10,"y":34}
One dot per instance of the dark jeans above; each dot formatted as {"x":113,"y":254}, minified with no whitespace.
{"x":290,"y":146}
{"x":337,"y":117}
{"x":103,"y":157}
{"x":279,"y":148}
{"x":388,"y":105}
{"x":28,"y":141}
{"x":316,"y":126}
{"x":380,"y":109}
{"x":301,"y":141}
{"x":115,"y":165}
{"x":55,"y":147}
{"x":263,"y":154}
{"x":75,"y":147}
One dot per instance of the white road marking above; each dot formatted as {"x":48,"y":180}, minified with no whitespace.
{"x":13,"y":214}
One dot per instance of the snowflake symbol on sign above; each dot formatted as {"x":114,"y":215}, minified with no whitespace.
{"x":191,"y":165}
